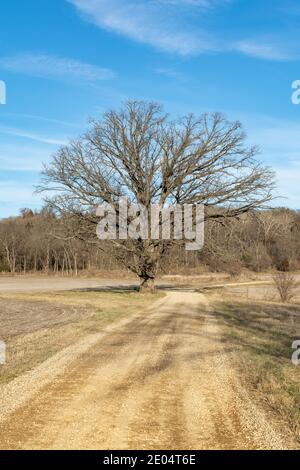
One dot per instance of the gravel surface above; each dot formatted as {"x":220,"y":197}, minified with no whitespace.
{"x":161,"y":380}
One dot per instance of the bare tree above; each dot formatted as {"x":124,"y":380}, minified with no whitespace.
{"x":141,"y":154}
{"x":286,"y":285}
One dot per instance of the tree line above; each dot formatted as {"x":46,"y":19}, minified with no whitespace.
{"x":46,"y":242}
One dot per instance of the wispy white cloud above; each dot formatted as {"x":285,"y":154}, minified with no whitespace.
{"x":34,"y":117}
{"x":169,"y":25}
{"x":191,"y":3}
{"x":156,"y":23}
{"x":25,"y":158}
{"x":263,"y":49}
{"x":32,"y":136}
{"x":52,"y":67}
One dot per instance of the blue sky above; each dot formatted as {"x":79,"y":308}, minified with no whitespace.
{"x":65,"y":61}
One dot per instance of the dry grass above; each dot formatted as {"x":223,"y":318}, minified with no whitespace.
{"x":261,"y":335}
{"x":36,"y":326}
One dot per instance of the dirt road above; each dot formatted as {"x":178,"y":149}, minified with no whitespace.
{"x":162,"y":380}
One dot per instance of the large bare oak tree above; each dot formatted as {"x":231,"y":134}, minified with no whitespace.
{"x":141,"y":154}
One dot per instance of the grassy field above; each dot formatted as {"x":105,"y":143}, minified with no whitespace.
{"x":260,"y":335}
{"x":35,"y":326}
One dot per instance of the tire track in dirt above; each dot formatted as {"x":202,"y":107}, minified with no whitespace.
{"x":160,"y":381}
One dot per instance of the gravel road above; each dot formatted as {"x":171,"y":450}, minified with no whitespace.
{"x":160,"y":380}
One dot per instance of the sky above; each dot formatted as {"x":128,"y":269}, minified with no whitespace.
{"x":66,"y":61}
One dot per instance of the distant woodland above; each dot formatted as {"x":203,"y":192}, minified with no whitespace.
{"x":257,"y":241}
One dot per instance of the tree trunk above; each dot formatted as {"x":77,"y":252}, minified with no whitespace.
{"x":147,"y":285}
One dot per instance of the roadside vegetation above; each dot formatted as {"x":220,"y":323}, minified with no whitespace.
{"x":260,"y":335}
{"x":286,"y":286}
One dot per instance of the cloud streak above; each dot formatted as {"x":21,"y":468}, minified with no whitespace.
{"x":263,"y":49}
{"x":174,"y":26}
{"x":155,"y":23}
{"x":24,"y":158}
{"x":32,"y":136}
{"x":53,"y":67}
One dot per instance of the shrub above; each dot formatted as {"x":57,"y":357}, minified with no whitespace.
{"x":286,"y":285}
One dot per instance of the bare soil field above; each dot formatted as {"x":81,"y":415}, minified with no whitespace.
{"x":155,"y":372}
{"x":37,"y":325}
{"x":19,"y":317}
